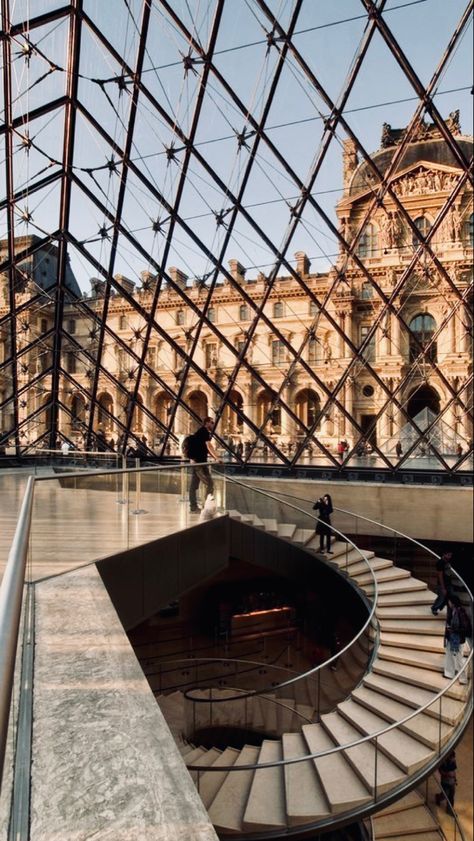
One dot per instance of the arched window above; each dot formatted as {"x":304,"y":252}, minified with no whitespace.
{"x":367,"y":246}
{"x":422,"y":327}
{"x":308,"y":406}
{"x":423,"y":224}
{"x":106,"y":408}
{"x":231,"y":421}
{"x":423,"y":397}
{"x":267,"y":410}
{"x":278,"y":309}
{"x":78,"y":410}
{"x":243,"y":312}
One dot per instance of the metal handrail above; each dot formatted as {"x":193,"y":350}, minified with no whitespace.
{"x":369,"y":619}
{"x":11,"y":598}
{"x":362,"y":740}
{"x":243,"y":697}
{"x":383,"y":526}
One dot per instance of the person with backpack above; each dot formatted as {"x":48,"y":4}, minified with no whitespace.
{"x":197,"y":447}
{"x":458,"y":628}
{"x":443,"y":582}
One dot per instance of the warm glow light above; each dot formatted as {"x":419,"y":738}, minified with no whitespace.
{"x":261,"y":612}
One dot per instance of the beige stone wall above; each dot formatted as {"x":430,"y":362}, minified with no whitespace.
{"x":420,"y":511}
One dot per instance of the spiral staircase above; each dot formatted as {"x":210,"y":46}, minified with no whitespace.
{"x":363,"y":757}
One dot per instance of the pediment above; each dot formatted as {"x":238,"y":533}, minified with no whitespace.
{"x":425,"y":177}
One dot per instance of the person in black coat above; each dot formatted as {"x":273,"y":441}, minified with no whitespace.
{"x":325,"y":509}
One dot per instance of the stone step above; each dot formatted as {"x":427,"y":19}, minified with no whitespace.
{"x":402,"y":824}
{"x":341,"y":785}
{"x":423,"y":727}
{"x":257,"y":522}
{"x":236,"y":515}
{"x":410,"y":801}
{"x":433,"y":681}
{"x":388,"y":574}
{"x":415,"y":696}
{"x":206,"y":759}
{"x":362,"y":758}
{"x":403,"y":585}
{"x":420,"y":659}
{"x":353,"y":557}
{"x":303,"y":536}
{"x":414,"y":836}
{"x":194,"y":756}
{"x":266,"y":801}
{"x":408,"y":753}
{"x":305,"y":798}
{"x":228,"y":806}
{"x":286,"y":530}
{"x":211,"y":781}
{"x":428,"y":626}
{"x":270,"y":526}
{"x":375,"y":564}
{"x":425,"y":597}
{"x":415,"y":611}
{"x":420,"y":642}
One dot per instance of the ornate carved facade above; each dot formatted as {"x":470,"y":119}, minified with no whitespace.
{"x":376,"y":352}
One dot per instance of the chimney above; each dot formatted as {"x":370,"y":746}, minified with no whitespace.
{"x":303,"y":264}
{"x":177,"y":276}
{"x":237,"y":271}
{"x":127,"y":284}
{"x":350,"y":161}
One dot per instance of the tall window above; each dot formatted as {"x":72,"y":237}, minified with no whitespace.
{"x":423,"y":224}
{"x":239,"y":345}
{"x":369,"y":351}
{"x":71,"y":366}
{"x":211,"y":354}
{"x":367,"y":291}
{"x":313,"y":309}
{"x":278,"y":352}
{"x":368,"y":242}
{"x":422,"y":328}
{"x":180,"y":317}
{"x":123,"y":322}
{"x":313,"y":350}
{"x":211,"y":315}
{"x":243,"y":312}
{"x":71,"y":326}
{"x":278,"y":309}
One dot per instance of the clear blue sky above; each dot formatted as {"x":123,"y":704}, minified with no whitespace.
{"x":381,"y":94}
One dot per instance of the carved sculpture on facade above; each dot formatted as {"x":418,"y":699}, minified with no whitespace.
{"x":425,"y":181}
{"x":391,"y":230}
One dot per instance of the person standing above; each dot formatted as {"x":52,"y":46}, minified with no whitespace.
{"x":199,"y":448}
{"x":325,"y":509}
{"x":443,"y":582}
{"x":458,"y":628}
{"x":448,"y":780}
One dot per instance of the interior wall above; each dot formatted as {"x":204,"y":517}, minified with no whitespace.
{"x":439,"y":513}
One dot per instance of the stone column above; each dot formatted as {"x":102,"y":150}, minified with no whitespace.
{"x":465,"y":330}
{"x":396,"y":336}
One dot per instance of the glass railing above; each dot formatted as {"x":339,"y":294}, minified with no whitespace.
{"x":433,"y":726}
{"x":80,"y":517}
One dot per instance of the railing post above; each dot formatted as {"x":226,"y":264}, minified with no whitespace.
{"x":123,"y":499}
{"x":319,"y":695}
{"x":184,"y":474}
{"x":376,"y":768}
{"x":210,"y":707}
{"x":138,"y":486}
{"x":440,"y":723}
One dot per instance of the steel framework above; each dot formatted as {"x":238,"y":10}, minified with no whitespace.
{"x":36,"y":383}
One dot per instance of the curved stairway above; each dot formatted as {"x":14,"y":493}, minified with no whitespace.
{"x":405,"y":673}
